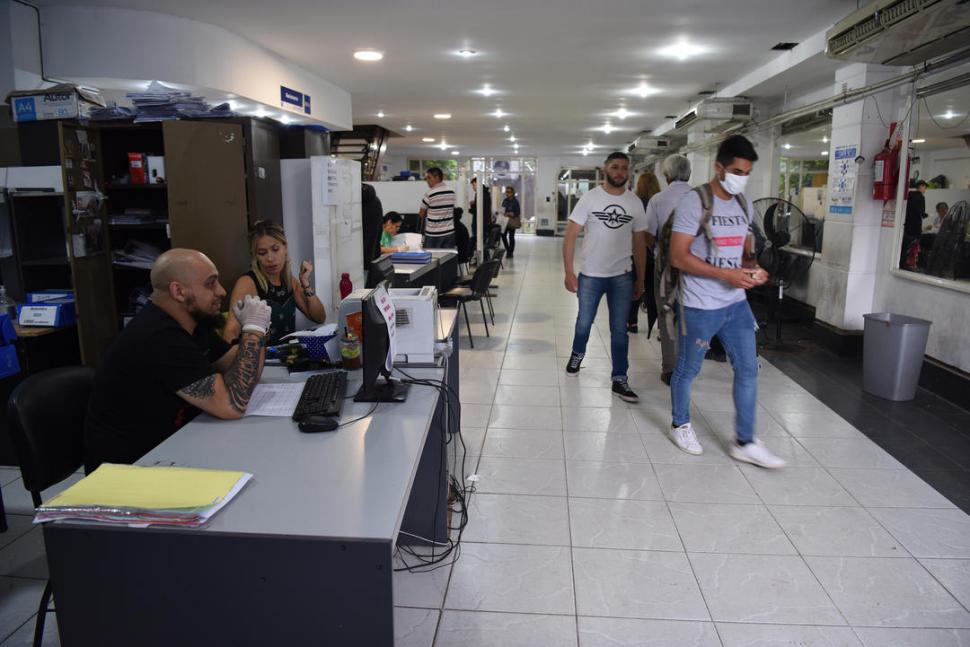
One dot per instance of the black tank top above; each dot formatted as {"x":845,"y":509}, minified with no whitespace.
{"x":280,"y":298}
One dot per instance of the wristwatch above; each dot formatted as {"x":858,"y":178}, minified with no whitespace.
{"x":309,"y":292}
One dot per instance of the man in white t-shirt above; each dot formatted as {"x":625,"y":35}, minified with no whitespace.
{"x":717,"y":265}
{"x":676,"y":169}
{"x":615,"y":225}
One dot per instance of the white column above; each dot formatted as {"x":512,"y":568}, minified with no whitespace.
{"x":851,"y":239}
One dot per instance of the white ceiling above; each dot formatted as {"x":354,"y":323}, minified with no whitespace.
{"x":560,"y":68}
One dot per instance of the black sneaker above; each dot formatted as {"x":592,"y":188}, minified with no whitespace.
{"x":572,"y":366}
{"x":623,"y":391}
{"x":665,"y":377}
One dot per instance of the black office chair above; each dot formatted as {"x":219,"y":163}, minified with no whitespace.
{"x":45,"y":416}
{"x":476,"y":291}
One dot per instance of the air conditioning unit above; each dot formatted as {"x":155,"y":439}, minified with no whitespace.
{"x":733,"y":109}
{"x":650,"y":145}
{"x":900,"y":32}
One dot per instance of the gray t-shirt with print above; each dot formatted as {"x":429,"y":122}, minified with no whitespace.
{"x":730,"y":227}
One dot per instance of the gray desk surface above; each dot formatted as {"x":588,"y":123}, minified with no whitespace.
{"x":447,"y":317}
{"x":350,"y":483}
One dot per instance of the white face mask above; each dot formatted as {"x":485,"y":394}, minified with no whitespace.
{"x":734,"y":184}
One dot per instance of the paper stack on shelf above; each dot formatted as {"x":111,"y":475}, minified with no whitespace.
{"x":160,"y":102}
{"x":141,"y":496}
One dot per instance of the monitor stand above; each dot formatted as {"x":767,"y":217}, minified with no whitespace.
{"x":387,"y":390}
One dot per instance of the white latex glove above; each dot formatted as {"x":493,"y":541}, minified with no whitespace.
{"x":253,"y":314}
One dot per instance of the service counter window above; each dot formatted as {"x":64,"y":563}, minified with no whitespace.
{"x":935,"y":217}
{"x":803,"y":180}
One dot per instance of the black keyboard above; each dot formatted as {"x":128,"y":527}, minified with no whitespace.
{"x":323,"y":395}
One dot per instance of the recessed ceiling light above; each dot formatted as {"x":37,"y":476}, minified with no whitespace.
{"x":643,"y":90}
{"x":622,"y":113}
{"x":429,"y":140}
{"x":585,"y":152}
{"x":486,"y":90}
{"x":466,"y":53}
{"x":607,"y":128}
{"x":825,"y":140}
{"x":409,"y":128}
{"x":368,"y":55}
{"x":919,"y":141}
{"x":380,"y":115}
{"x":455,"y":152}
{"x":442,"y":115}
{"x":681,"y":50}
{"x":949,"y":114}
{"x":512,"y":138}
{"x":498,"y":114}
{"x":787,"y":147}
{"x":825,"y":152}
{"x":506,"y":129}
{"x":443,"y":145}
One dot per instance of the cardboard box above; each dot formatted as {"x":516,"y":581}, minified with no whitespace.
{"x":64,"y":101}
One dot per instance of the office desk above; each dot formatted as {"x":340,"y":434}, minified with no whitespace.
{"x":302,"y":556}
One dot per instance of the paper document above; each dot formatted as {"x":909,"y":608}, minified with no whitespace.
{"x":275,"y":399}
{"x":386,"y":306}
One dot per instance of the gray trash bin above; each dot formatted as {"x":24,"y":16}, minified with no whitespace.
{"x":893,"y":349}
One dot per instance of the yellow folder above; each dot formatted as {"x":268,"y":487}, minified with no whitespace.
{"x":148,"y":488}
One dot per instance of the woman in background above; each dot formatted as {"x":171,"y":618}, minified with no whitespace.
{"x":647,"y":186}
{"x":270,"y":279}
{"x":510,"y":205}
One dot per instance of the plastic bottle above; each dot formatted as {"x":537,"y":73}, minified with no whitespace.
{"x":346,"y":287}
{"x":7,"y":305}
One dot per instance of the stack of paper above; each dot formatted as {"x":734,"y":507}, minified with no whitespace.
{"x":142,"y":496}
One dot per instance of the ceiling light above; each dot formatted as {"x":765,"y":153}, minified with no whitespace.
{"x":368,"y":55}
{"x":486,"y":90}
{"x":466,"y":53}
{"x":506,"y":129}
{"x":643,"y":90}
{"x":428,"y":140}
{"x":825,"y":140}
{"x":787,"y":147}
{"x":622,"y":113}
{"x":825,"y":152}
{"x":443,"y":145}
{"x":585,"y":152}
{"x":681,"y":50}
{"x":590,"y":145}
{"x":949,"y":114}
{"x":512,"y":138}
{"x":442,"y":115}
{"x":607,"y":128}
{"x":409,"y":128}
{"x":454,"y":152}
{"x":380,"y":115}
{"x":498,"y":114}
{"x":919,"y":141}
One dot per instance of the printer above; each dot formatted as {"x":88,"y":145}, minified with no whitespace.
{"x":416,"y":321}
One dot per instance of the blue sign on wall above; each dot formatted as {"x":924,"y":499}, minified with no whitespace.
{"x":306,"y":103}
{"x":291,"y":97}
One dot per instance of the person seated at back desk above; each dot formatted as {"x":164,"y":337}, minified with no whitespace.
{"x":269,"y":279}
{"x":169,"y":363}
{"x":392,"y":225}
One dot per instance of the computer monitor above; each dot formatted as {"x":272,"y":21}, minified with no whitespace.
{"x":380,"y":270}
{"x":377,"y":384}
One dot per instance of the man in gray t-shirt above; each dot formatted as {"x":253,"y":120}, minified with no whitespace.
{"x":717,"y":266}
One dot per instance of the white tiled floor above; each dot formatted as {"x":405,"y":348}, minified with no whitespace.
{"x":589,"y":528}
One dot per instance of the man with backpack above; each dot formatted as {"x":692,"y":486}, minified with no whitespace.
{"x":712,"y":248}
{"x":676,"y":170}
{"x":615,"y":222}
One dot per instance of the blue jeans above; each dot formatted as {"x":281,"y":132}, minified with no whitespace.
{"x":735,"y":327}
{"x":619,"y":292}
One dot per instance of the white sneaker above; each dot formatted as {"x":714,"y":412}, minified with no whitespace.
{"x":756,"y":454}
{"x":684,"y":437}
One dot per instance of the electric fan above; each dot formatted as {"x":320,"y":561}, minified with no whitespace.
{"x":786,"y":243}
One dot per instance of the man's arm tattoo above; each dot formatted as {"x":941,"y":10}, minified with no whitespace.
{"x":202,"y":389}
{"x":242,"y":376}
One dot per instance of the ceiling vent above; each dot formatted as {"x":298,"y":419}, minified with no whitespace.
{"x":649,"y":145}
{"x":900,"y":32}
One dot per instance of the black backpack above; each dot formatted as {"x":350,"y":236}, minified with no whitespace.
{"x":668,"y":293}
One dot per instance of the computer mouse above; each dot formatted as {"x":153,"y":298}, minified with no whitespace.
{"x":314,"y":424}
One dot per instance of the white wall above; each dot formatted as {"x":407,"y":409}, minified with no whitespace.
{"x":403,"y":197}
{"x":99,"y":43}
{"x":954,"y":163}
{"x":395,"y":164}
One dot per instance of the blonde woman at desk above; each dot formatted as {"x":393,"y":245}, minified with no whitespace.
{"x":270,"y":280}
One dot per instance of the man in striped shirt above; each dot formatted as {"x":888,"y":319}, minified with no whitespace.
{"x":438,"y":211}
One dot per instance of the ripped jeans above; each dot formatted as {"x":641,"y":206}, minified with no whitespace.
{"x":735,"y":326}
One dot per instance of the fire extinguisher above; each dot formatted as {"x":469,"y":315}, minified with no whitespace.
{"x":886,"y":169}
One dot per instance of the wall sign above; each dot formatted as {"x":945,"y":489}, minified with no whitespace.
{"x":842,"y":183}
{"x":289,"y":96}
